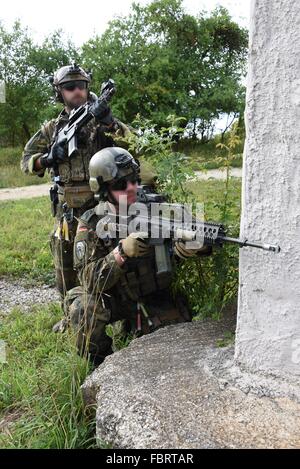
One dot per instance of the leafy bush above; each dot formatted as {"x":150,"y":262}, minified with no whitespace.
{"x":208,"y":283}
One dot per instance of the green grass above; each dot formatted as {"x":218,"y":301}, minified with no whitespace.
{"x":211,"y":194}
{"x":24,"y":239}
{"x":210,"y":283}
{"x":40,"y":398}
{"x":10,"y":171}
{"x":205,"y":156}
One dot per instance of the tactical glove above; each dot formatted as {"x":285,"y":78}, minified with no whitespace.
{"x":134,"y":245}
{"x":183,"y":252}
{"x":101,"y":110}
{"x":56,"y":155}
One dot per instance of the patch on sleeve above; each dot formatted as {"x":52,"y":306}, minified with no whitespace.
{"x":82,"y":228}
{"x":80,"y":250}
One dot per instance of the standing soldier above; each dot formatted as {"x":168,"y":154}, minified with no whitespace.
{"x":72,"y":196}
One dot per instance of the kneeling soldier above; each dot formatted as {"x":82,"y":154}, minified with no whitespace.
{"x":118,"y":277}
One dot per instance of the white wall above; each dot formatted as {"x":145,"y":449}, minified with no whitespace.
{"x":268,"y":331}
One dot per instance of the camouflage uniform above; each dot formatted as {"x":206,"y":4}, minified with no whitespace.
{"x":108,"y":292}
{"x":74,"y":187}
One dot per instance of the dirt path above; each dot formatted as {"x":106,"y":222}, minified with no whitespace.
{"x":218,"y":174}
{"x":26,"y":192}
{"x":40,"y":190}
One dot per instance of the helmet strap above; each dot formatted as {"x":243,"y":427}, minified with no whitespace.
{"x":58,"y":96}
{"x":111,"y":198}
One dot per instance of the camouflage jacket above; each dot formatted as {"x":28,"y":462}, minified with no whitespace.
{"x":73,"y":171}
{"x":99,"y":272}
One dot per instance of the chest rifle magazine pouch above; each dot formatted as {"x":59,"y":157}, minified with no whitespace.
{"x":163,"y":264}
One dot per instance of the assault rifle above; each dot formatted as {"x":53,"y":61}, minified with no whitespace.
{"x":165,"y":222}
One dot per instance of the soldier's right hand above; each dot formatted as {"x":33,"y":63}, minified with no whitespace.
{"x":56,"y":155}
{"x":135,"y":245}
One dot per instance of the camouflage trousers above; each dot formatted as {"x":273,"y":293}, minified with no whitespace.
{"x":88,"y":316}
{"x":62,"y":252}
{"x":62,"y":245}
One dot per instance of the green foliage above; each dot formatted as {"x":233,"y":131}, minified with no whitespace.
{"x":24,"y":239}
{"x":209,"y":156}
{"x":165,"y":61}
{"x":212,"y":283}
{"x":156,"y":145}
{"x":10,"y":156}
{"x":40,"y":398}
{"x":25,"y":67}
{"x":121,"y":338}
{"x":227,"y":340}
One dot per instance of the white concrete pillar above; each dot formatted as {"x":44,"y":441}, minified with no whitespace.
{"x":268,"y":330}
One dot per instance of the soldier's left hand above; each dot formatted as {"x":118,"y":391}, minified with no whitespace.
{"x":101,"y":110}
{"x":183,"y":252}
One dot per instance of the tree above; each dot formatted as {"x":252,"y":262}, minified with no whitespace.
{"x":165,"y":61}
{"x":25,"y":67}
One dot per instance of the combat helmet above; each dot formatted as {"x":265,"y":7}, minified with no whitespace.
{"x":68,"y":73}
{"x":109,"y":165}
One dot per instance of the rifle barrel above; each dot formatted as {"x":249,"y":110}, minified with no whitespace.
{"x":246,"y":243}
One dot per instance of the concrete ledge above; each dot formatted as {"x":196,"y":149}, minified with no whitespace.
{"x":175,"y":389}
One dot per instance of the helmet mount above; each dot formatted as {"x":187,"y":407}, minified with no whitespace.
{"x":110,"y":165}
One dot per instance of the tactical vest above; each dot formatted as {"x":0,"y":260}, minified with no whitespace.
{"x":74,"y":186}
{"x":75,"y":170}
{"x":140,"y":278}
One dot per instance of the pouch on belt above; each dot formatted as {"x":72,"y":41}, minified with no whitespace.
{"x":76,"y":196}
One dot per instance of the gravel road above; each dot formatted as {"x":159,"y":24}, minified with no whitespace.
{"x":15,"y":293}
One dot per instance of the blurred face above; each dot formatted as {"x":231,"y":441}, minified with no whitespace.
{"x":126,"y":187}
{"x":74,"y":93}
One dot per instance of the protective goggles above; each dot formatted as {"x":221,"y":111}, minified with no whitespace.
{"x":121,"y":184}
{"x":72,"y":85}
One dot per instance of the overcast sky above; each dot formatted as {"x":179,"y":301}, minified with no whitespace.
{"x":80,"y":20}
